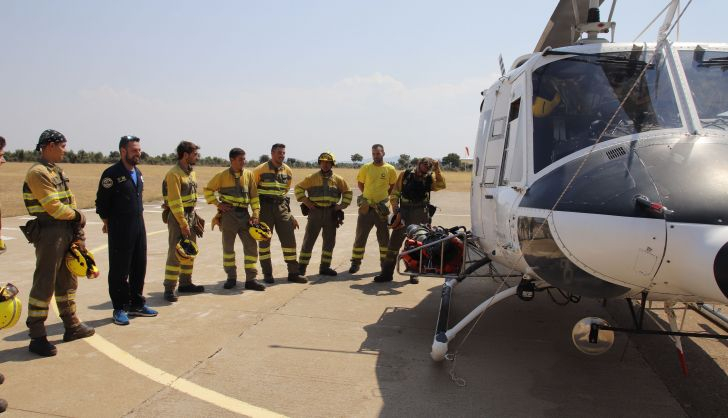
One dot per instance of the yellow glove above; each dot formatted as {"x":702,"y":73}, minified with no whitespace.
{"x":3,"y":248}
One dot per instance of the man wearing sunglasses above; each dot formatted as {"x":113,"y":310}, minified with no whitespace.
{"x":56,"y":226}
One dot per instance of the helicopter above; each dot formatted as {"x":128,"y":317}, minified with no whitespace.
{"x":600,"y":170}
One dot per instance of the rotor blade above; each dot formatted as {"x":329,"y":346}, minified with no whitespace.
{"x":557,"y":32}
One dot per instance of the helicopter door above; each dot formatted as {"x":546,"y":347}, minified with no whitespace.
{"x":498,"y":105}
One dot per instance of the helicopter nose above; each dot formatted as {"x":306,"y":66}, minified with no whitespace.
{"x":720,"y":269}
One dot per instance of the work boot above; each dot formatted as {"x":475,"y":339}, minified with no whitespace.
{"x":414,"y":279}
{"x":191,"y":288}
{"x":79,"y":331}
{"x":302,"y":269}
{"x":327,"y":271}
{"x":3,"y":405}
{"x":170,"y":296}
{"x":42,"y":347}
{"x":253,"y":284}
{"x":2,"y":378}
{"x":383,"y":277}
{"x":354,"y":268}
{"x":296,"y":278}
{"x":268,"y":278}
{"x":230,"y":283}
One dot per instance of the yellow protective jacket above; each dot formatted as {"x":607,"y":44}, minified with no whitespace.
{"x":46,"y":193}
{"x":236,"y":189}
{"x":436,"y":183}
{"x":179,"y":189}
{"x":324,"y":191}
{"x":273,"y":182}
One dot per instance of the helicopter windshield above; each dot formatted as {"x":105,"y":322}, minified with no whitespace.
{"x":707,"y":74}
{"x":574,"y":99}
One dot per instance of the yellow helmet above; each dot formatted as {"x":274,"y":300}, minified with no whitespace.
{"x":10,"y":306}
{"x":327,"y":156}
{"x":187,"y":249}
{"x":260,"y":232}
{"x":81,"y":262}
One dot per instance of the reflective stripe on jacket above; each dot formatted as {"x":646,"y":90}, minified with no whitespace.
{"x":179,"y":189}
{"x":324,"y":191}
{"x":236,"y":189}
{"x":46,"y":192}
{"x":271,"y":181}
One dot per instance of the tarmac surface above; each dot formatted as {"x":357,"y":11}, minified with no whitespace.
{"x":342,"y":346}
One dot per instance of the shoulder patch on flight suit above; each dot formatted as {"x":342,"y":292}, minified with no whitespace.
{"x":107,"y":182}
{"x":121,"y":179}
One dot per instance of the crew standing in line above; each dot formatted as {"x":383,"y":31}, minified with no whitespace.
{"x":375,"y":180}
{"x":324,"y":194}
{"x":119,"y":203}
{"x":233,"y":191}
{"x":56,"y":226}
{"x":3,"y":402}
{"x":410,"y":201}
{"x":273,"y":179}
{"x":179,"y":189}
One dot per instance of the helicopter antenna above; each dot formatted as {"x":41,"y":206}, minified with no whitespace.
{"x":651,"y":22}
{"x":500,"y":62}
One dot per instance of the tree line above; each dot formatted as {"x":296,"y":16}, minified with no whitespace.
{"x":449,"y":162}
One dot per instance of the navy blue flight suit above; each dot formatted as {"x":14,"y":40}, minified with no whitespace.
{"x":119,"y":201}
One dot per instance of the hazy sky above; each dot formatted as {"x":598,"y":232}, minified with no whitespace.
{"x":315,"y":75}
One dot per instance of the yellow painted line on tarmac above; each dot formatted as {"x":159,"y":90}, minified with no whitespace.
{"x":175,"y":382}
{"x":185,"y":386}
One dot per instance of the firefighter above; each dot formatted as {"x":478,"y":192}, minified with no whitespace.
{"x":233,"y":191}
{"x":179,"y":189}
{"x":56,"y":226}
{"x":273,"y":179}
{"x":324,"y":194}
{"x":119,"y":203}
{"x":410,"y":202}
{"x":3,"y":248}
{"x":375,"y":181}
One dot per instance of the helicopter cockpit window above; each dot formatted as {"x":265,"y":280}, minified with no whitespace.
{"x":574,"y":99}
{"x":707,"y":74}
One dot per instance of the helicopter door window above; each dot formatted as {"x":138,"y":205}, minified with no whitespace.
{"x":510,"y":132}
{"x":707,"y":74}
{"x":499,"y":126}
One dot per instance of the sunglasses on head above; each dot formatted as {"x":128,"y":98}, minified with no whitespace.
{"x":8,"y":292}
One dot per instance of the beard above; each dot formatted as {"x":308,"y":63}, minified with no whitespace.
{"x":132,"y":161}
{"x":378,"y":160}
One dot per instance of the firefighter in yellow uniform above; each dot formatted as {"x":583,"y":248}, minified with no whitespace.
{"x":56,"y":226}
{"x":179,"y":189}
{"x":233,"y":191}
{"x":375,"y":181}
{"x":324,"y":194}
{"x":273,"y":179}
{"x":410,"y":201}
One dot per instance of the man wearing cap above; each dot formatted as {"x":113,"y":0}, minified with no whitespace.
{"x":273,"y":179}
{"x":56,"y":226}
{"x":179,"y":189}
{"x":324,"y":194}
{"x":233,"y":191}
{"x":375,"y":180}
{"x":410,"y":201}
{"x":119,"y":204}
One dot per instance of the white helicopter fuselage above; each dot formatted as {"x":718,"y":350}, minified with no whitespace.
{"x":605,"y":174}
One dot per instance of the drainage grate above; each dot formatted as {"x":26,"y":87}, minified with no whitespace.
{"x":616,"y":153}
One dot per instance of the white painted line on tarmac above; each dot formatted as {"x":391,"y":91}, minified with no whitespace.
{"x":105,"y":246}
{"x":185,"y":386}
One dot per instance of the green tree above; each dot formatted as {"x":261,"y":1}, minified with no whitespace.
{"x":264,"y":158}
{"x":356,"y":158}
{"x":403,"y":161}
{"x":451,"y":161}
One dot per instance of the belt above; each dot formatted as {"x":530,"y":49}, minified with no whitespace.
{"x":189,"y":210}
{"x":240,"y":209}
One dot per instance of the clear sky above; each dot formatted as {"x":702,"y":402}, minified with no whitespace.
{"x":316,"y":75}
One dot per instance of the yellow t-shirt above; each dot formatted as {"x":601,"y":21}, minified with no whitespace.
{"x":377,"y":180}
